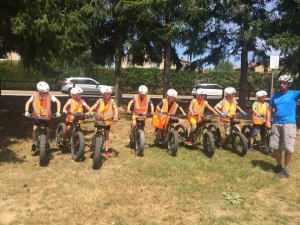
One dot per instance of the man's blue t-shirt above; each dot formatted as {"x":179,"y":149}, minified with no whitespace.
{"x":285,"y":105}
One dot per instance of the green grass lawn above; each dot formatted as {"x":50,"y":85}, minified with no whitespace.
{"x":155,"y":189}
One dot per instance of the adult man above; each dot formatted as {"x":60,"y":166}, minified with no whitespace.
{"x":283,"y":132}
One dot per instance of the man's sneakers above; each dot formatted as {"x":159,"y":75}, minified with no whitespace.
{"x":280,"y":171}
{"x":33,"y":149}
{"x":276,"y":169}
{"x":285,"y":173}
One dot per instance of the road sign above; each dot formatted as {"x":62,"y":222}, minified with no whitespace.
{"x":274,"y":62}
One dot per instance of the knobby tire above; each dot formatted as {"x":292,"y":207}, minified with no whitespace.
{"x":239,"y":143}
{"x":140,"y":143}
{"x":97,"y":153}
{"x":43,"y":150}
{"x":77,"y":146}
{"x":208,"y":144}
{"x":172,"y":143}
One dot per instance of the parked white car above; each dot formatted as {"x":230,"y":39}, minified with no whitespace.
{"x":88,"y":85}
{"x":211,"y":89}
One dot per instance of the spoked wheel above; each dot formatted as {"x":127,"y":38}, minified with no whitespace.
{"x":215,"y":131}
{"x":139,"y":143}
{"x":43,"y":152}
{"x":182,"y":133}
{"x":246,"y":131}
{"x":77,"y":146}
{"x":97,"y":153}
{"x":172,"y":143}
{"x":239,"y":143}
{"x":59,"y":133}
{"x":208,"y":144}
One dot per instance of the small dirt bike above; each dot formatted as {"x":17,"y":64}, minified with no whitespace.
{"x":238,"y":140}
{"x":98,"y":141}
{"x":247,"y":131}
{"x":138,"y":142}
{"x":42,"y":142}
{"x":170,"y":133}
{"x":75,"y":139}
{"x":204,"y":130}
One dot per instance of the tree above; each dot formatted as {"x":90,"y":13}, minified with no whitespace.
{"x":232,"y":31}
{"x":284,"y":33}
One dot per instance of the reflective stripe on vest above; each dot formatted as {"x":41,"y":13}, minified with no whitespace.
{"x":165,"y":107}
{"x":41,"y":109}
{"x":105,"y":110}
{"x":228,"y":109}
{"x":262,"y":111}
{"x":141,"y":106}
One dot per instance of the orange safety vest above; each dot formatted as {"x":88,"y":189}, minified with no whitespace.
{"x":105,"y":111}
{"x":262,"y":111}
{"x":198,"y":108}
{"x":140,"y":106}
{"x":161,"y":121}
{"x":228,"y":109}
{"x":45,"y":107}
{"x":75,"y":106}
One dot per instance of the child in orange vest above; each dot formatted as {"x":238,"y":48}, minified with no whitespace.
{"x":106,"y":108}
{"x":259,"y":109}
{"x":74,"y":104}
{"x":140,"y":103}
{"x":197,"y":106}
{"x":169,"y":106}
{"x":41,"y":102}
{"x":226,"y":108}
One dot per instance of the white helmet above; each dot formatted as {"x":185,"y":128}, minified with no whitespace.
{"x":76,"y":90}
{"x":172,"y":93}
{"x":42,"y":87}
{"x":261,"y":93}
{"x":201,"y":91}
{"x":229,"y":91}
{"x":143,"y":90}
{"x":105,"y":89}
{"x":286,"y":78}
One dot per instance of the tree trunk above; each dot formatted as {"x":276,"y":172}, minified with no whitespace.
{"x":118,"y":73}
{"x":243,"y":79}
{"x":167,"y":67}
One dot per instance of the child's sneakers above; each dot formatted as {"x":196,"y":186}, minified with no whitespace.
{"x":33,"y":148}
{"x":107,"y":154}
{"x":188,"y":142}
{"x":251,"y":149}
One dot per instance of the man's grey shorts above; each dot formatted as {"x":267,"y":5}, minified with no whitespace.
{"x":283,"y":137}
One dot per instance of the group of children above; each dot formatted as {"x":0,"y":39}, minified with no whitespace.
{"x":106,"y":108}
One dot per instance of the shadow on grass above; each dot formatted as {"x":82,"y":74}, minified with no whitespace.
{"x":9,"y":156}
{"x":266,"y":166}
